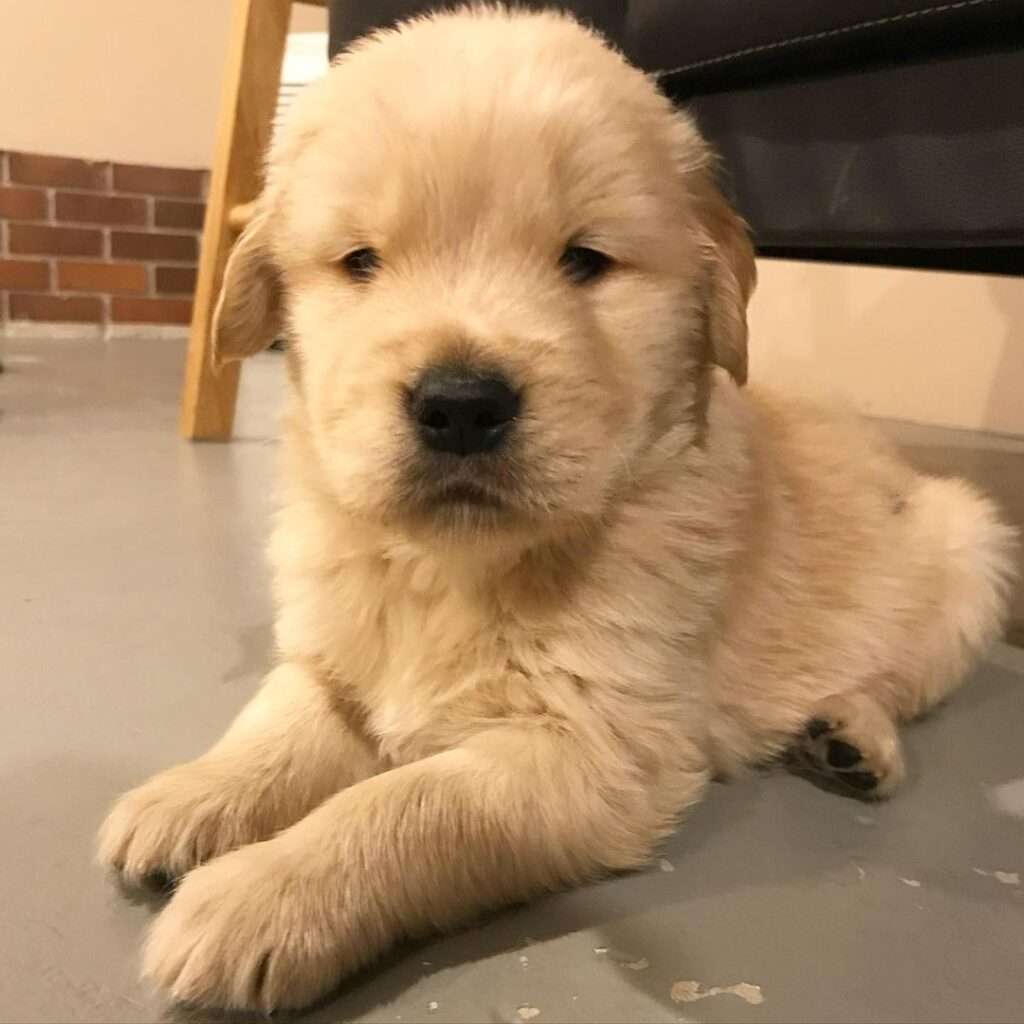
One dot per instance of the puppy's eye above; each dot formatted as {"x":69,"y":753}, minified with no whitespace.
{"x":360,"y":264}
{"x":582,"y":264}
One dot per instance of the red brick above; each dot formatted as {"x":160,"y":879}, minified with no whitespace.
{"x":160,"y":181}
{"x":102,"y":277}
{"x":176,"y":280}
{"x":171,"y":214}
{"x":144,"y":245}
{"x":27,"y":274}
{"x":90,"y":208}
{"x":22,"y":203}
{"x":45,"y":240}
{"x":61,"y":171}
{"x":74,"y":309}
{"x":151,"y":311}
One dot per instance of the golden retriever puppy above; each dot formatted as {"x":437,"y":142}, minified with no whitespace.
{"x":543,"y":565}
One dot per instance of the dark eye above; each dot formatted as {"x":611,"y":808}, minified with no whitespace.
{"x":360,"y":264}
{"x":582,"y":264}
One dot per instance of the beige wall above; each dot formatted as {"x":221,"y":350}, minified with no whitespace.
{"x":127,"y":80}
{"x":139,"y":80}
{"x":923,"y":346}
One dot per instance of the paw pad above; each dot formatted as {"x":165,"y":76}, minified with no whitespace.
{"x":818,"y":727}
{"x":851,"y":740}
{"x":843,"y":763}
{"x":842,"y":755}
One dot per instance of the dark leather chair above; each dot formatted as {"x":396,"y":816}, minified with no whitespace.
{"x":870,"y":131}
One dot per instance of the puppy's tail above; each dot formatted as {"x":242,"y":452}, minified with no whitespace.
{"x":976,"y":552}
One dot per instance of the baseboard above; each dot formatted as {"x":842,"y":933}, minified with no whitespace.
{"x":171,"y":332}
{"x":90,"y":332}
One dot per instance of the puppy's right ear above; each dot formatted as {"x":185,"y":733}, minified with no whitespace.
{"x":248,"y":317}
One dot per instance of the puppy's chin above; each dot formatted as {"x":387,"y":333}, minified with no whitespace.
{"x":465,"y":521}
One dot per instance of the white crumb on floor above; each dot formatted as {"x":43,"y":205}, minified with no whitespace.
{"x":912,"y":882}
{"x":666,"y":865}
{"x":618,"y":956}
{"x":432,"y":1006}
{"x":861,"y":873}
{"x":864,"y":819}
{"x":527,"y":1012}
{"x":524,"y":960}
{"x":690,"y":992}
{"x":1006,"y":877}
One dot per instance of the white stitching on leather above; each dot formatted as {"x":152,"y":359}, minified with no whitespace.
{"x":811,"y":37}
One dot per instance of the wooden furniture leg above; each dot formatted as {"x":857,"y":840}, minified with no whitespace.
{"x":259,"y":32}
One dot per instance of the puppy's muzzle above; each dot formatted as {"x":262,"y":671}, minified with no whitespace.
{"x":461,"y":412}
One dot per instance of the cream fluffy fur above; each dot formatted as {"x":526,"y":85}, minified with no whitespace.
{"x":676,"y":575}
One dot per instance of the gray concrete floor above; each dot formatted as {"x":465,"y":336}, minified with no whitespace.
{"x":136,"y":621}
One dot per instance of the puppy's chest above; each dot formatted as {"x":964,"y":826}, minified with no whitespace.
{"x":428,"y":663}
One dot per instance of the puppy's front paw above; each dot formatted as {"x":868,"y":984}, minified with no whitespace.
{"x":851,"y":741}
{"x":253,"y":930}
{"x":176,"y":820}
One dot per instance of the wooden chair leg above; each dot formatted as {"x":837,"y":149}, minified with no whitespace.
{"x":259,"y":32}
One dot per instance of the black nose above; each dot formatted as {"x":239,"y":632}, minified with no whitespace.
{"x":463,"y":413}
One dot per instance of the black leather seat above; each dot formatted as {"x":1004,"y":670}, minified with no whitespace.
{"x":872,"y":131}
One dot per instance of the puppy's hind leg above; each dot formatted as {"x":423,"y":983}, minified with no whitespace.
{"x":962,"y":571}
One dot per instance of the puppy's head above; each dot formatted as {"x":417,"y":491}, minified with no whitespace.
{"x":504,"y":268}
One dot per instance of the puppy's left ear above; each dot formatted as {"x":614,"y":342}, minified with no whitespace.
{"x":248,"y":317}
{"x":731,"y":275}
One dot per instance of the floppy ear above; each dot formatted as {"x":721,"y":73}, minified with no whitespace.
{"x":731,"y":275}
{"x":248,"y":315}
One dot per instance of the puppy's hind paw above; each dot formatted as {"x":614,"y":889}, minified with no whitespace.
{"x":851,"y":742}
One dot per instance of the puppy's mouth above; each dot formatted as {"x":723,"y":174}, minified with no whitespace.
{"x":470,"y":495}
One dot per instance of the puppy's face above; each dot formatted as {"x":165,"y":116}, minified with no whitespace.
{"x":503,"y":269}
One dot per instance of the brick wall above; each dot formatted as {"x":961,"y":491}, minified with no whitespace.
{"x":97,"y":244}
